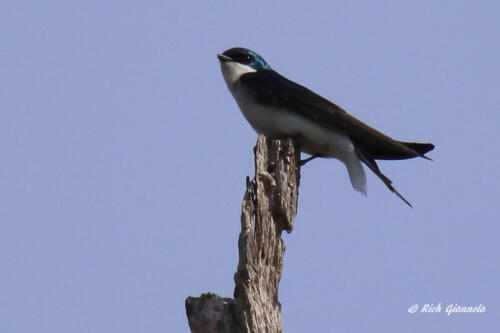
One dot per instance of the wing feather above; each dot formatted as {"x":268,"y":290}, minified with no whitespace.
{"x":271,"y":88}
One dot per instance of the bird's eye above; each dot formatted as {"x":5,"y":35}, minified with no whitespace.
{"x":245,"y":58}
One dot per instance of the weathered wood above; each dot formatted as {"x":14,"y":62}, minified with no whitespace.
{"x":211,"y":313}
{"x":269,"y":207}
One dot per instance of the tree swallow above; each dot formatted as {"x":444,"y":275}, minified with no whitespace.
{"x":278,"y":107}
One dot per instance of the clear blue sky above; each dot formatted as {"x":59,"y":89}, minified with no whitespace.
{"x":123,"y":160}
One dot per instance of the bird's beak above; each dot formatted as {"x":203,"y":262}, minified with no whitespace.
{"x":222,"y":57}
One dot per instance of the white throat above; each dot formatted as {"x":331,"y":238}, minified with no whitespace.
{"x":232,"y":71}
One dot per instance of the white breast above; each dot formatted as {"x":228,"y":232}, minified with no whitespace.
{"x":231,"y":71}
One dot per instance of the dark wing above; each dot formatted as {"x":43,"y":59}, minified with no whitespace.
{"x":270,"y":87}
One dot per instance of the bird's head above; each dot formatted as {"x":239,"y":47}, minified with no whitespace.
{"x":238,"y":61}
{"x":244,"y":57}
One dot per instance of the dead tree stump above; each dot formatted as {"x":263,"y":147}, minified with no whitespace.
{"x":269,"y":207}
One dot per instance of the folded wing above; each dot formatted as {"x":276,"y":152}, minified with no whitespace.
{"x":272,"y":88}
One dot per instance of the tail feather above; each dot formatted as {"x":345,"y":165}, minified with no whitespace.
{"x":420,"y":148}
{"x":370,"y":163}
{"x":398,"y":150}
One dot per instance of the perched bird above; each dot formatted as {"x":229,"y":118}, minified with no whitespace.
{"x":278,"y":107}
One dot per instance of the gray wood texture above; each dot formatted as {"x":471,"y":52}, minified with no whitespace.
{"x":269,"y":207}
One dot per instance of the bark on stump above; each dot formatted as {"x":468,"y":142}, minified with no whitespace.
{"x":269,"y":207}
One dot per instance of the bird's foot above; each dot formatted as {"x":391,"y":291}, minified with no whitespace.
{"x":303,"y":162}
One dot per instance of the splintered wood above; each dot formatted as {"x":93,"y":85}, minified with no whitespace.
{"x":269,"y":207}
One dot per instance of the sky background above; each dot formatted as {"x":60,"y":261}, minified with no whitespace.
{"x":123,"y":160}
